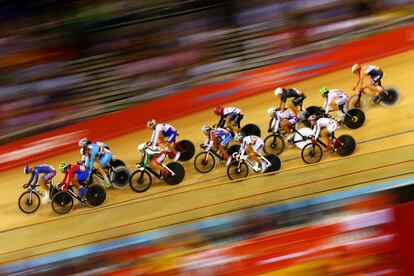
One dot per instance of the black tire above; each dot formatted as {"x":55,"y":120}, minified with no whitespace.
{"x":232,"y":149}
{"x":345,"y":145}
{"x":204,"y":164}
{"x":274,"y":144}
{"x":140,"y":181}
{"x":354,"y":118}
{"x":116,"y":163}
{"x":179,"y":171}
{"x":275,"y":160}
{"x":62,"y":202}
{"x":251,"y":129}
{"x":391,"y":98}
{"x":312,"y":110}
{"x":233,"y":171}
{"x":29,"y":205}
{"x":311,"y":153}
{"x":52,"y":191}
{"x":95,"y":195}
{"x":186,"y":148}
{"x":120,"y":177}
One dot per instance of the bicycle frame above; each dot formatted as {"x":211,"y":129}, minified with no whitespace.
{"x":151,"y":171}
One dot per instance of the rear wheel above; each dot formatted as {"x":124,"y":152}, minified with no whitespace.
{"x":29,"y":202}
{"x":275,"y":161}
{"x":120,"y":177}
{"x":312,"y":153}
{"x":233,"y":149}
{"x":140,"y":181}
{"x":116,"y":163}
{"x":353,"y":103}
{"x":178,"y":176}
{"x":95,"y":195}
{"x":354,"y":118}
{"x":204,"y":162}
{"x":251,"y":129}
{"x":391,"y":98}
{"x":186,"y":149}
{"x":236,"y":171}
{"x":62,"y":202}
{"x":345,"y":145}
{"x":274,"y":144}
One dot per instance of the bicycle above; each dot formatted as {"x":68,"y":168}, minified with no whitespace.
{"x":119,"y":174}
{"x":275,"y":142}
{"x":29,"y":201}
{"x":185,"y":148}
{"x":344,"y":145}
{"x":62,"y":201}
{"x":205,"y":162}
{"x":173,"y":173}
{"x":353,"y":118}
{"x":239,"y":168}
{"x":359,"y":100}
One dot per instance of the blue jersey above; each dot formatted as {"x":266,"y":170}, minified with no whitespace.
{"x":38,"y":169}
{"x":96,"y":149}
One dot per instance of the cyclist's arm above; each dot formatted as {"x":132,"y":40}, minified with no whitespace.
{"x":94,"y":153}
{"x":317,"y":130}
{"x":222,"y":121}
{"x":242,"y":148}
{"x":154,"y":136}
{"x":328,"y":102}
{"x":32,"y":176}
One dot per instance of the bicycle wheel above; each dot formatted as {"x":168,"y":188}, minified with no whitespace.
{"x":95,"y":195}
{"x":345,"y":145}
{"x":354,"y":118}
{"x":186,"y":149}
{"x":29,"y":202}
{"x":140,"y":181}
{"x":179,"y":172}
{"x":353,"y":103}
{"x":62,"y":202}
{"x":312,"y":153}
{"x":204,"y":162}
{"x":120,"y":177}
{"x":391,"y":98}
{"x":275,"y":161}
{"x":234,"y":171}
{"x":233,"y":149}
{"x":251,"y":129}
{"x":274,"y":144}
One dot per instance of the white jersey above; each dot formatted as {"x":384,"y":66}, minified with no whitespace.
{"x":279,"y":116}
{"x":330,"y":124}
{"x":231,"y":111}
{"x":159,"y":128}
{"x":254,"y":141}
{"x":334,"y":95}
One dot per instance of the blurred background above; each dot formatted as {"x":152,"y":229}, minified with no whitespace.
{"x":65,"y":61}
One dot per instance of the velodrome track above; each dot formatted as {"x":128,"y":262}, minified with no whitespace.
{"x":385,"y":151}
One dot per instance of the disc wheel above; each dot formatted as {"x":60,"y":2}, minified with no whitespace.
{"x":251,"y":129}
{"x":235,"y":171}
{"x":62,"y":202}
{"x":345,"y":145}
{"x":95,"y":195}
{"x":311,"y":153}
{"x":120,"y":177}
{"x":275,"y":161}
{"x":274,"y":144}
{"x":29,"y":202}
{"x":391,"y":98}
{"x":354,"y":118}
{"x":178,"y":176}
{"x":140,"y":181}
{"x":204,"y":162}
{"x":186,"y":149}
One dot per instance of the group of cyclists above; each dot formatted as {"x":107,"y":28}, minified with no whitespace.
{"x":218,"y":137}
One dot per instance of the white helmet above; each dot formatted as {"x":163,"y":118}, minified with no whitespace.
{"x":271,"y":111}
{"x":278,"y":91}
{"x":83,"y":142}
{"x":142,"y":147}
{"x":205,"y":129}
{"x":238,"y":137}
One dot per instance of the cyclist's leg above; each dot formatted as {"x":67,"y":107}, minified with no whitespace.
{"x":101,"y":170}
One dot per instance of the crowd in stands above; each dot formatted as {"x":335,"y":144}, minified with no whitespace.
{"x":64,"y":61}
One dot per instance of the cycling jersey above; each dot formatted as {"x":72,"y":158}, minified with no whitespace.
{"x":48,"y":171}
{"x":335,"y":95}
{"x":375,"y":73}
{"x":152,"y":153}
{"x":220,"y":135}
{"x":294,"y":93}
{"x":254,"y":141}
{"x":279,"y":116}
{"x":330,"y":124}
{"x":80,"y":171}
{"x":234,"y":113}
{"x":98,"y":150}
{"x":166,"y":130}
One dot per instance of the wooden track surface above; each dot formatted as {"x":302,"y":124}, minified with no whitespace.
{"x":385,"y":149}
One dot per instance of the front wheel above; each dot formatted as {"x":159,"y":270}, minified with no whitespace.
{"x":274,"y":144}
{"x":29,"y":202}
{"x":140,"y":181}
{"x":312,"y":153}
{"x":178,"y":176}
{"x":204,"y":162}
{"x":275,"y":163}
{"x":119,"y":177}
{"x":391,"y":97}
{"x":354,"y":118}
{"x":95,"y":195}
{"x":62,"y":202}
{"x":345,"y":145}
{"x":354,"y":102}
{"x":186,"y":149}
{"x":237,"y":171}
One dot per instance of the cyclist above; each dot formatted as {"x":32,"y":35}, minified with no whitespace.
{"x":92,"y":152}
{"x":74,"y":174}
{"x":218,"y":138}
{"x":46,"y":173}
{"x":325,"y":127}
{"x":286,"y":119}
{"x":297,"y":99}
{"x":229,"y":116}
{"x":335,"y":99}
{"x":251,"y":145}
{"x":152,"y":156}
{"x":375,"y":74}
{"x":164,"y":135}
